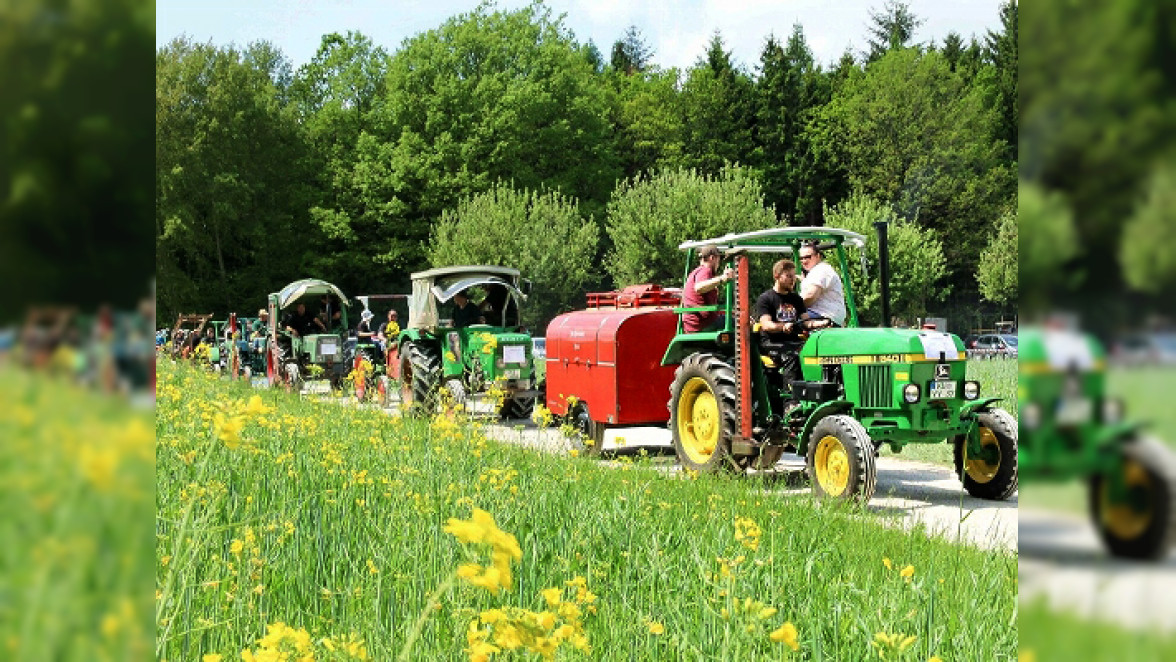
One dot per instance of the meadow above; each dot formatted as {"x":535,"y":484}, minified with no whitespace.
{"x":77,"y":559}
{"x":339,"y":533}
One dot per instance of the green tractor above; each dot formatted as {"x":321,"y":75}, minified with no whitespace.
{"x":861,"y":387}
{"x":488,"y":359}
{"x":1075,"y":431}
{"x":313,"y":360}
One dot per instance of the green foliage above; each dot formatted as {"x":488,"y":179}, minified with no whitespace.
{"x":76,"y":178}
{"x":231,"y":167}
{"x":649,"y":217}
{"x":647,"y":128}
{"x":999,"y":262}
{"x":892,"y":28}
{"x":717,"y":109}
{"x":917,"y":264}
{"x":912,"y":134}
{"x":1048,"y":240}
{"x":539,"y":233}
{"x":1148,"y":249}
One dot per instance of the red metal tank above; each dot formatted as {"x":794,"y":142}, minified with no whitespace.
{"x":609,"y":356}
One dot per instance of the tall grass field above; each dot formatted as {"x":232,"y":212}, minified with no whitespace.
{"x":324,"y":530}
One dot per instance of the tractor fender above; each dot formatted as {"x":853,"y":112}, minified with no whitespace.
{"x":410,"y":335}
{"x":1117,"y":434}
{"x":827,"y":409}
{"x":969,"y":411}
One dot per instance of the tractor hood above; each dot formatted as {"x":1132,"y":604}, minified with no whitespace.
{"x":1044,"y":350}
{"x":892,"y":344}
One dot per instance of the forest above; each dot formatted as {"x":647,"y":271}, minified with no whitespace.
{"x":498,"y":137}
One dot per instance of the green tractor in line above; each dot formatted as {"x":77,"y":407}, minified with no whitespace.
{"x":1074,"y":431}
{"x":314,"y":361}
{"x":489,"y":360}
{"x":861,"y":388}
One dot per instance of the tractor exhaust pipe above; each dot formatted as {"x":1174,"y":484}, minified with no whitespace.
{"x":884,"y":270}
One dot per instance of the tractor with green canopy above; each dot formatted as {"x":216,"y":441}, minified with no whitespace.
{"x":312,"y":360}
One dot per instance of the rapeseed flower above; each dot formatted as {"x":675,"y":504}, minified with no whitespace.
{"x":907,"y":572}
{"x":656,"y":628}
{"x":786,"y":634}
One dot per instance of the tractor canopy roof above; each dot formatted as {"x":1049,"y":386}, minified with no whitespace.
{"x":307,"y":286}
{"x":439,"y":286}
{"x":779,"y":240}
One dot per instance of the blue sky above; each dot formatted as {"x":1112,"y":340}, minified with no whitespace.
{"x":677,"y":30}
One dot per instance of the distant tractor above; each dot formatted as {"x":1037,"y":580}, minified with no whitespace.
{"x":472,"y":362}
{"x":382,"y":355}
{"x":188,"y":329}
{"x":1075,"y":431}
{"x":314,"y":360}
{"x":861,"y":388}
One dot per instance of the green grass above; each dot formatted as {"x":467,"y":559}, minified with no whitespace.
{"x":339,"y":515}
{"x":75,"y":566}
{"x":1058,"y":636}
{"x":998,"y":378}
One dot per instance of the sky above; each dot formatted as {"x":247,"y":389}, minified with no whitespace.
{"x":678,"y":31}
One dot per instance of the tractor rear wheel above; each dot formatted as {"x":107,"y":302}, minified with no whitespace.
{"x":702,"y":414}
{"x":1143,"y":525}
{"x":993,"y":475}
{"x":517,"y":408}
{"x":840,"y":460}
{"x":420,"y":375}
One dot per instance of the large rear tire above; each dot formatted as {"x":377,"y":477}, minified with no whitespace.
{"x":517,"y":408}
{"x":1144,"y":527}
{"x":702,"y":414}
{"x":420,"y":376}
{"x":840,"y":459}
{"x":992,"y":476}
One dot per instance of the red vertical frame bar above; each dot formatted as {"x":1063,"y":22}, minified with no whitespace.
{"x":743,"y":344}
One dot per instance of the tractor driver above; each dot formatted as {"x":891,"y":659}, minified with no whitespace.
{"x":779,"y":312}
{"x":821,"y":286}
{"x":465,"y":313}
{"x":702,"y":289}
{"x":299,"y":323}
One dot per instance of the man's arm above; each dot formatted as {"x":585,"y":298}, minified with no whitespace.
{"x":702,"y":287}
{"x":810,"y":291}
{"x":769,"y":325}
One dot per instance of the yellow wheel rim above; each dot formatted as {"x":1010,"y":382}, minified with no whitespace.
{"x":698,"y":420}
{"x":1123,"y":521}
{"x":979,"y":469}
{"x":831,"y":463}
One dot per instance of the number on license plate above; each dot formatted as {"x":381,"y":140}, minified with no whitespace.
{"x":941,"y":390}
{"x":1075,"y":411}
{"x":513,"y":374}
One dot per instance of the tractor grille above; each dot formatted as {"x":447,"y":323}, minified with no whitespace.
{"x":875,"y":385}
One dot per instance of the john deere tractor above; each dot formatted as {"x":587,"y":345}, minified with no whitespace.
{"x":1075,"y":431}
{"x":313,"y":361}
{"x":491,"y":358}
{"x":861,"y":387}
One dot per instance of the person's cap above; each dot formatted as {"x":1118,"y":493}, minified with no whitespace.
{"x":366,"y":314}
{"x":263,"y":313}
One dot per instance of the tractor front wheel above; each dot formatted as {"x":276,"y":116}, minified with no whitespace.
{"x":840,"y":459}
{"x":589,"y":437}
{"x":991,"y":475}
{"x":420,"y":375}
{"x":702,"y":413}
{"x":1141,"y":523}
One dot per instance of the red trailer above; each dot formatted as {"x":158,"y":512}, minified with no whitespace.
{"x":606,"y":360}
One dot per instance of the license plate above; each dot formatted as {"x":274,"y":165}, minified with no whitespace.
{"x":514,"y":354}
{"x":1075,"y":411}
{"x":942,"y":390}
{"x":513,"y":374}
{"x":329,"y":348}
{"x":261,"y":382}
{"x":318,"y":386}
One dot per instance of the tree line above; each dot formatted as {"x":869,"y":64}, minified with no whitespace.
{"x":498,"y":137}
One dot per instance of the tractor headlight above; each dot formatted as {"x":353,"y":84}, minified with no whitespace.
{"x":971,"y":390}
{"x":910,"y":393}
{"x":1112,"y":411}
{"x":499,"y":363}
{"x":1031,"y":415}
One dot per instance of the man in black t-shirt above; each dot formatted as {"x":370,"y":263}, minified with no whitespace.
{"x":779,"y":312}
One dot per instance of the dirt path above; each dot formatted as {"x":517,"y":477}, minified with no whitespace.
{"x":1062,"y":562}
{"x":909,"y":493}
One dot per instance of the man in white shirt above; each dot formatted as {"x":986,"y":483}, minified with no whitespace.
{"x":821,"y":287}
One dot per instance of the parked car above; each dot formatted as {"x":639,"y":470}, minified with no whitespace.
{"x":1146,"y":348}
{"x":995,"y":344}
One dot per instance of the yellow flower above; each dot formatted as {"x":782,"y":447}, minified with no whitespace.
{"x":1027,"y":656}
{"x":256,"y":407}
{"x":236,"y":547}
{"x":553,"y":596}
{"x":786,"y":634}
{"x":907,"y":572}
{"x":228,"y":429}
{"x":211,"y":657}
{"x":656,"y":628}
{"x":935,"y":658}
{"x":886,"y":562}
